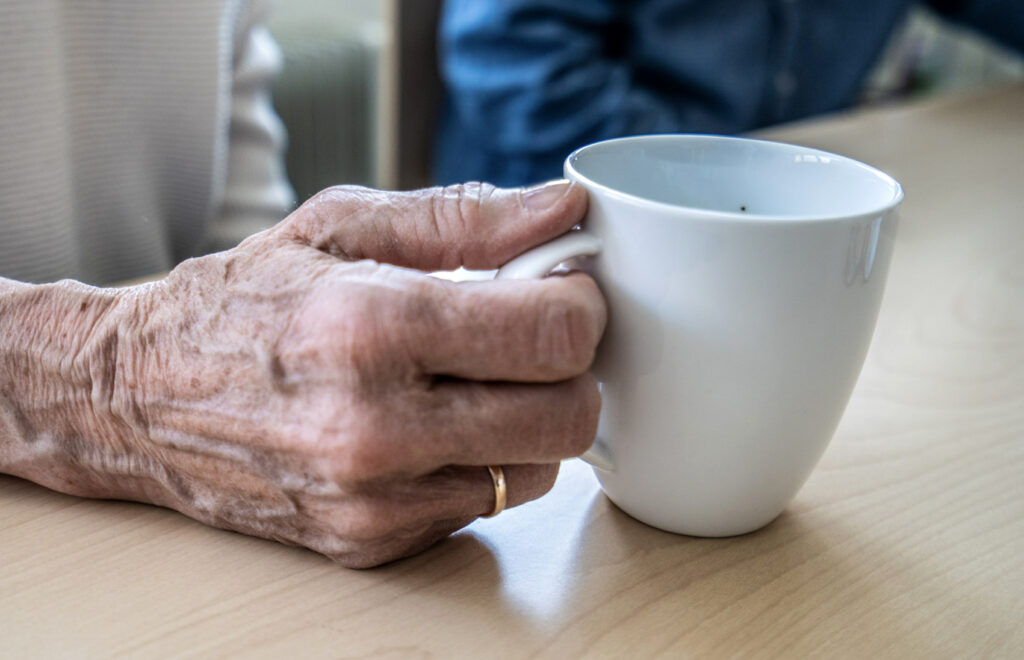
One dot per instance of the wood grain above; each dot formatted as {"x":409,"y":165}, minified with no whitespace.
{"x":908,"y":540}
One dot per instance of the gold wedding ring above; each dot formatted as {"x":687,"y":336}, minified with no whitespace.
{"x":500,"y":493}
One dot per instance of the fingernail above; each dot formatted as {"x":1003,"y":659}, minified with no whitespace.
{"x":543,"y":196}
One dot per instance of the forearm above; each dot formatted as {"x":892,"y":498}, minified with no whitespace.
{"x":59,"y":348}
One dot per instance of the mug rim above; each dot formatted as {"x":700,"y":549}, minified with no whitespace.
{"x":572,"y":173}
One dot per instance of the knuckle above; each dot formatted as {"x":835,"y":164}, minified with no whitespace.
{"x":457,"y":215}
{"x":469,"y":200}
{"x":310,"y":212}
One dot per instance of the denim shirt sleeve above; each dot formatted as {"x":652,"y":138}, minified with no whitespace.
{"x":529,"y":80}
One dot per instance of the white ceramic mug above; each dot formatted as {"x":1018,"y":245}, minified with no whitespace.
{"x":743,"y":280}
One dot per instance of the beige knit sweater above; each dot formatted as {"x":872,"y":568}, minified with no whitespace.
{"x":133,"y":135}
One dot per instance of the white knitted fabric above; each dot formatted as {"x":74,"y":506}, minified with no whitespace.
{"x":133,"y":135}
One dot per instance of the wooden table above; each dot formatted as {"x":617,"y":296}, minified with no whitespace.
{"x":908,"y":540}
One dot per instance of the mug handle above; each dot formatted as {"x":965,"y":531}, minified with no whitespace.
{"x":540,"y":261}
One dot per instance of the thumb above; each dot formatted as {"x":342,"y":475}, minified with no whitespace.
{"x":474,"y":225}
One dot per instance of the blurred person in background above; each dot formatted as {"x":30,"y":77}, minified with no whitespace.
{"x":528,"y":81}
{"x":310,"y":385}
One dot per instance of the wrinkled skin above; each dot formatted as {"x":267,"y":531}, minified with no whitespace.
{"x":310,"y":387}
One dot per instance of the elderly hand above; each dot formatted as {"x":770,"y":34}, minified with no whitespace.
{"x":308,"y":387}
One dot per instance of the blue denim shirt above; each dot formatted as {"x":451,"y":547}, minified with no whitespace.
{"x":530,"y":80}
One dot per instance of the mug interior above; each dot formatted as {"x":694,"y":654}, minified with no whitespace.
{"x":736,"y":176}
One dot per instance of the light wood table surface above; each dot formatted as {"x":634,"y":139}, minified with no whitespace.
{"x":907,"y":541}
